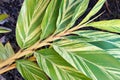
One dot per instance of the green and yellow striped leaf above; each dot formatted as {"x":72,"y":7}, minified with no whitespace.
{"x":94,"y":10}
{"x":4,"y":30}
{"x":108,"y":25}
{"x":56,"y":67}
{"x":70,"y":11}
{"x":5,"y":51}
{"x":30,"y":71}
{"x":109,"y":42}
{"x":29,"y":22}
{"x":49,"y":21}
{"x":90,"y":55}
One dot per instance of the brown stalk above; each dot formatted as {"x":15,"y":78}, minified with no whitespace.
{"x":13,"y":66}
{"x":7,"y":64}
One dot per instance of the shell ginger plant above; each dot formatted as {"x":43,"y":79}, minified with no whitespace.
{"x":52,"y":48}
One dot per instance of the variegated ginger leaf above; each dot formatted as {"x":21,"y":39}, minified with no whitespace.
{"x":89,"y":53}
{"x":3,"y":54}
{"x":5,"y":51}
{"x":29,"y":22}
{"x":70,"y":11}
{"x":56,"y":67}
{"x":4,"y":30}
{"x":49,"y":21}
{"x":108,"y":25}
{"x":94,"y":10}
{"x":109,"y":42}
{"x":30,"y":71}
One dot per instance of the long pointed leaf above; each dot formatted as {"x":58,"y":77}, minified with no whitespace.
{"x":4,"y":30}
{"x":89,"y":58}
{"x":50,"y":18}
{"x":29,"y":22}
{"x":107,"y":41}
{"x":94,"y":10}
{"x":109,"y":25}
{"x":30,"y":71}
{"x":70,"y":11}
{"x":9,"y":49}
{"x":56,"y":67}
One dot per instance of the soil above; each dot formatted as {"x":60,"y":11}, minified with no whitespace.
{"x":12,"y":8}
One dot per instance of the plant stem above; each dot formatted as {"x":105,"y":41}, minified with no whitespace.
{"x":32,"y":49}
{"x":13,"y":66}
{"x":22,"y":53}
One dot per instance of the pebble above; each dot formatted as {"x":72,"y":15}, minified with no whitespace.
{"x":2,"y":78}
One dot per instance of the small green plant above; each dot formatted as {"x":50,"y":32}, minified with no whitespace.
{"x":3,"y":29}
{"x":7,"y":51}
{"x":53,"y":49}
